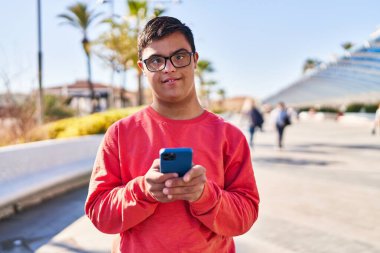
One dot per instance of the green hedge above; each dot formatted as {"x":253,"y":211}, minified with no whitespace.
{"x":96,"y":123}
{"x":328,"y":109}
{"x":360,"y":107}
{"x":322,"y":109}
{"x":354,"y":107}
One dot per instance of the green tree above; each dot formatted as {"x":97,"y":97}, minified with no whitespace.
{"x":310,"y":64}
{"x":347,"y":45}
{"x":56,"y":108}
{"x":80,"y":17}
{"x":118,"y":48}
{"x":204,"y":67}
{"x":138,"y":11}
{"x":222,"y":93}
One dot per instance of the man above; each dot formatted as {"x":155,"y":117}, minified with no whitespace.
{"x":256,"y":120}
{"x":154,"y":212}
{"x":376,"y":121}
{"x":282,"y":119}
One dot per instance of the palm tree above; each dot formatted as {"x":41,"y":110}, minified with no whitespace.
{"x":347,"y":45}
{"x":157,"y":11}
{"x":80,"y":17}
{"x":310,"y":64}
{"x":118,"y":48}
{"x":138,"y":10}
{"x":222,"y":97}
{"x":222,"y":93}
{"x":203,"y":67}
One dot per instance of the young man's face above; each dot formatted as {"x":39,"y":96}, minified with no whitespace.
{"x":171,"y":84}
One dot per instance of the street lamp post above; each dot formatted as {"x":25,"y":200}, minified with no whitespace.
{"x":40,"y":90}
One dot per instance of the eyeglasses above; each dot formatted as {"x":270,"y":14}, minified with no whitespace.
{"x":178,"y":60}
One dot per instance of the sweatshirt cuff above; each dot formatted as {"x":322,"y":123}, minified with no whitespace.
{"x":207,"y":200}
{"x":141,"y":192}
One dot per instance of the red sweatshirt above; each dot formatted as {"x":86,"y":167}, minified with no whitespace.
{"x":118,"y":203}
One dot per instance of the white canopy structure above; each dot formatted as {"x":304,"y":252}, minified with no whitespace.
{"x":354,"y":77}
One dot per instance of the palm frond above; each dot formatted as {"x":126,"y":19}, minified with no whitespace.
{"x":138,"y":8}
{"x":205,"y":66}
{"x":67,"y":19}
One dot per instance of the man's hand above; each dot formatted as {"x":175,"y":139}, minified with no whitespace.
{"x":189,"y":188}
{"x":154,"y":182}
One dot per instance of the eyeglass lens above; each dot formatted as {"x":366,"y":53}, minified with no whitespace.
{"x":179,"y":60}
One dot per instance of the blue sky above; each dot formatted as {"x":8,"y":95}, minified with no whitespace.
{"x":257,"y":47}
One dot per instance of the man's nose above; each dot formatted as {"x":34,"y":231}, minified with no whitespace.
{"x":169,"y":67}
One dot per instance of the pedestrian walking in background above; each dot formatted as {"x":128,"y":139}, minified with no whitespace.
{"x":282,"y":119}
{"x":155,"y":212}
{"x":256,"y":120}
{"x":376,"y":122}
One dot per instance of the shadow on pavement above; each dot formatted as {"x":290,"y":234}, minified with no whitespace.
{"x":28,"y":230}
{"x":69,"y":248}
{"x":290,"y":161}
{"x":341,"y":146}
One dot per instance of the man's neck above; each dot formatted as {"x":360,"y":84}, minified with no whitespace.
{"x":178,"y":111}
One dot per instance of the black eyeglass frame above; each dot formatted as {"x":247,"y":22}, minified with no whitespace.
{"x":170,"y":59}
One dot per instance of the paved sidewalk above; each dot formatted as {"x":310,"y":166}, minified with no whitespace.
{"x":320,"y":194}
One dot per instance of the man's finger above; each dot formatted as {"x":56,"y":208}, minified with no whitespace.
{"x":183,"y":190}
{"x":179,"y":182}
{"x":196,"y":171}
{"x":156,"y":165}
{"x":159,"y":178}
{"x":157,"y":187}
{"x":166,"y":176}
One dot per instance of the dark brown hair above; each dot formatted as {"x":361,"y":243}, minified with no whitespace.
{"x":162,"y":26}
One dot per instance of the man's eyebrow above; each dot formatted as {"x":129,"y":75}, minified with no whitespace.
{"x":175,"y":52}
{"x":154,"y":55}
{"x":180,"y":50}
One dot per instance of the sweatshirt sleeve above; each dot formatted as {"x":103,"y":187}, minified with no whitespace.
{"x":112,"y":206}
{"x":230,"y":211}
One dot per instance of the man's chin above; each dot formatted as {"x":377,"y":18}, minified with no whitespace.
{"x":172,"y":98}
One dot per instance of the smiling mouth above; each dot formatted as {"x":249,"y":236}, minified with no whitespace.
{"x":170,"y":81}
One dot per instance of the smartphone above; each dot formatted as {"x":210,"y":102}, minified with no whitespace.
{"x":176,"y":160}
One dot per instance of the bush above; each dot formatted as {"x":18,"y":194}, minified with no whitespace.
{"x":371,"y":108}
{"x":361,"y":107}
{"x":355,"y":107}
{"x":56,"y":108}
{"x":304,"y":109}
{"x":328,"y":109}
{"x":96,"y":123}
{"x":218,"y":110}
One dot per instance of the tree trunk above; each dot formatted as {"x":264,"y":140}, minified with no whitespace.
{"x":86,"y":48}
{"x":140,"y":95}
{"x":123,"y":86}
{"x":90,"y":84}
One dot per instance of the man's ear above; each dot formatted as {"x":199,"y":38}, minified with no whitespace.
{"x":196,"y":57}
{"x":141,"y":66}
